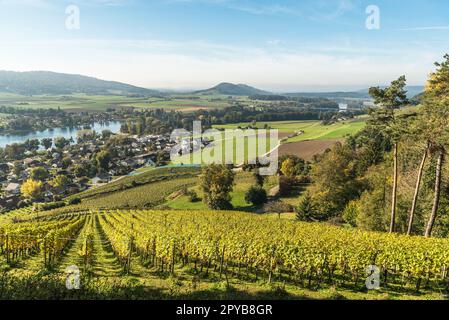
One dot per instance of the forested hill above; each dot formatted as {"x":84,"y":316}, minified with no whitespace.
{"x":233,"y":90}
{"x":45,"y":82}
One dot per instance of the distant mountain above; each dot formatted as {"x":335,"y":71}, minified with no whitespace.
{"x":233,"y":90}
{"x":331,"y":95}
{"x":417,"y":99}
{"x":45,"y":82}
{"x":412,"y":91}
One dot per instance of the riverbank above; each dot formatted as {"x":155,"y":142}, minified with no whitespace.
{"x":67,"y":132}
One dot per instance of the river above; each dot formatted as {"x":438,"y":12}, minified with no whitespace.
{"x":113,"y":126}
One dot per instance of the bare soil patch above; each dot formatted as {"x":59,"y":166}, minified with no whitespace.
{"x":306,"y":149}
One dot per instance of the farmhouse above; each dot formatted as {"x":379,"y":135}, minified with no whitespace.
{"x":12,"y":189}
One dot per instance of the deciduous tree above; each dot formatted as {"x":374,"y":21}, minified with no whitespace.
{"x":32,"y":189}
{"x":217,"y":182}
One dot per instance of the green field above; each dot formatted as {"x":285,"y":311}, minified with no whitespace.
{"x":313,"y":130}
{"x":249,"y":147}
{"x":75,"y":101}
{"x":186,"y":102}
{"x":101,"y":103}
{"x":297,"y":131}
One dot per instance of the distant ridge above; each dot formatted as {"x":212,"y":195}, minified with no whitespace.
{"x":360,"y":94}
{"x":233,"y":90}
{"x":46,"y":82}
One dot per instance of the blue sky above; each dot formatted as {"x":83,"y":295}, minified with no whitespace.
{"x":276,"y":45}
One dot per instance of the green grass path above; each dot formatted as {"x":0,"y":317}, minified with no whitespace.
{"x":105,"y":263}
{"x":71,"y":256}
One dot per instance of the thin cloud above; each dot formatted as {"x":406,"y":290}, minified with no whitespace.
{"x":27,"y":3}
{"x":201,"y":64}
{"x":425,"y":28}
{"x":49,"y":3}
{"x":105,"y":3}
{"x":328,"y":11}
{"x":248,"y":6}
{"x":313,"y":10}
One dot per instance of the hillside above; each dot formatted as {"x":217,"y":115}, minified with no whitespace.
{"x":224,"y":254}
{"x":232,"y":90}
{"x":45,"y":82}
{"x":146,"y":190}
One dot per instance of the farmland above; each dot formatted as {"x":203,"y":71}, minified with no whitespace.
{"x":307,"y":138}
{"x":313,"y":130}
{"x":83,"y":102}
{"x":306,"y":149}
{"x":141,"y":254}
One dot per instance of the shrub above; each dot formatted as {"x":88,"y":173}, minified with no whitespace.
{"x":220,"y":204}
{"x":23,"y":203}
{"x":291,"y":165}
{"x":302,"y":179}
{"x":75,"y":200}
{"x":193,"y":196}
{"x":351,"y":213}
{"x":50,"y":205}
{"x":277,"y":207}
{"x":260,"y":180}
{"x":256,"y":195}
{"x":306,"y":209}
{"x":286,"y":185}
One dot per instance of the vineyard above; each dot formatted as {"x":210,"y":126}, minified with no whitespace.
{"x":146,"y":190}
{"x":219,"y":247}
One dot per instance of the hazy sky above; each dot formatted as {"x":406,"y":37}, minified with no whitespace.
{"x":276,"y":45}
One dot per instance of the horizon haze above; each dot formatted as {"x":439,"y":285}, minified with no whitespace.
{"x":278,"y":46}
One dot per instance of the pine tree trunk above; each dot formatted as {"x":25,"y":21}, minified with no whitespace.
{"x":436,"y":198}
{"x":415,"y":196}
{"x":395,"y":185}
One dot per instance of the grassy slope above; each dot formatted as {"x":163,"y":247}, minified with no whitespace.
{"x":253,"y":146}
{"x":141,"y":191}
{"x":243,"y":182}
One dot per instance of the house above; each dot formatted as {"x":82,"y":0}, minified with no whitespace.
{"x":12,"y":188}
{"x":56,"y":155}
{"x":101,"y":178}
{"x":9,"y":202}
{"x":4,"y":167}
{"x":28,"y":162}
